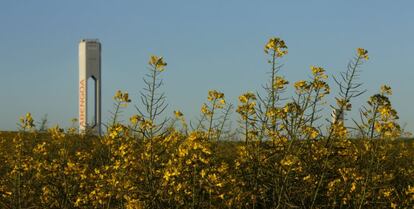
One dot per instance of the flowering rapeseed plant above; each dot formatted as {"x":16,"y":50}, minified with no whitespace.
{"x":288,"y":158}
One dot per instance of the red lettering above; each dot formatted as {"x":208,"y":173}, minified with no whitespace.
{"x":82,"y":99}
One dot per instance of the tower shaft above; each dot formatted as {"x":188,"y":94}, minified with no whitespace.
{"x":90,"y":67}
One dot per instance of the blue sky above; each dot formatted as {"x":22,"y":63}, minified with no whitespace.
{"x":207,"y":45}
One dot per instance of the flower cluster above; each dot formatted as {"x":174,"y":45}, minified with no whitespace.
{"x":157,"y":63}
{"x":27,"y":122}
{"x":247,"y":105}
{"x":122,"y":97}
{"x":362,"y":53}
{"x":277,"y":46}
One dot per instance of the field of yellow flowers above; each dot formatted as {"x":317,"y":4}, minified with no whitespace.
{"x":283,"y":155}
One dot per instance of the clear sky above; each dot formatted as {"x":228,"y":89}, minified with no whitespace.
{"x":214,"y":44}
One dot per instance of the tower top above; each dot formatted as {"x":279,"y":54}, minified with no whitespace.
{"x":90,"y":40}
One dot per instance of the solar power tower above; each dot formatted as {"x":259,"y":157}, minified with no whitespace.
{"x":90,"y":80}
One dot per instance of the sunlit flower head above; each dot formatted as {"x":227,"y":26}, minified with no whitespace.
{"x":302,"y":86}
{"x":27,"y":121}
{"x":135,"y":119}
{"x":280,"y":82}
{"x":246,"y":97}
{"x":386,"y":90}
{"x":363,"y":53}
{"x":178,"y":114}
{"x":214,"y":94}
{"x":277,"y":46}
{"x":147,"y":125}
{"x":157,"y":62}
{"x":122,"y":97}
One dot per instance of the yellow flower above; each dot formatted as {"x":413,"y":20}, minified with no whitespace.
{"x":115,"y":131}
{"x":27,"y":121}
{"x":386,"y":90}
{"x":205,"y":110}
{"x":118,"y":94}
{"x":271,"y":112}
{"x":125,"y":97}
{"x":288,"y":160}
{"x":339,"y":130}
{"x":291,"y":107}
{"x":57,"y":132}
{"x":70,"y":165}
{"x":280,"y":82}
{"x":387,"y":193}
{"x":333,"y":183}
{"x":318,"y":73}
{"x":362,"y":53}
{"x":244,"y":98}
{"x":306,"y":178}
{"x":410,"y":191}
{"x":157,"y":62}
{"x":247,"y":106}
{"x":178,"y":114}
{"x":342,"y":103}
{"x":317,"y":70}
{"x":8,"y":193}
{"x":203,"y":173}
{"x":135,"y":119}
{"x":167,"y":175}
{"x":122,"y":97}
{"x":301,"y":86}
{"x":213,"y":95}
{"x":212,"y":177}
{"x":277,"y":46}
{"x":384,"y":111}
{"x":220,"y":104}
{"x":353,"y":187}
{"x":311,"y":132}
{"x":147,"y":124}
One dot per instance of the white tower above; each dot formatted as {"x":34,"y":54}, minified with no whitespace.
{"x":337,"y":116}
{"x":90,"y":67}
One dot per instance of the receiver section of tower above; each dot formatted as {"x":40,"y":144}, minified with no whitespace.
{"x":90,"y":67}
